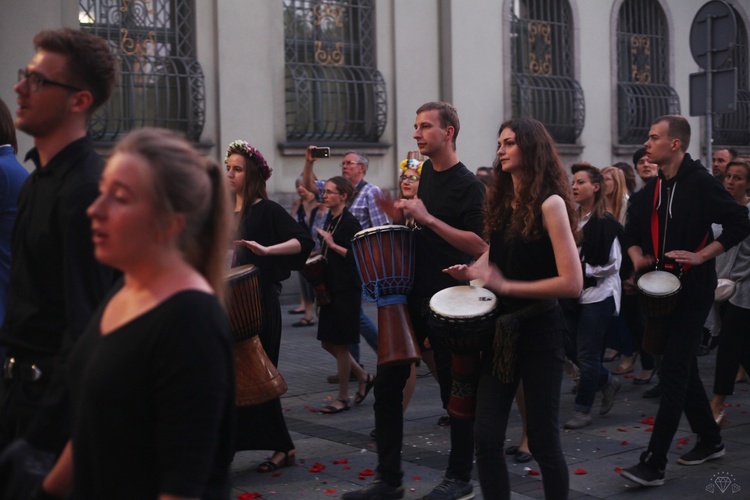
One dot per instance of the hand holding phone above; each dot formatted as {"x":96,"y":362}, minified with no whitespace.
{"x":320,"y":152}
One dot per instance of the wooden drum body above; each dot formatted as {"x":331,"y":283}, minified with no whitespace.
{"x":463,"y":318}
{"x":315,"y":274}
{"x":659,"y":293}
{"x":256,"y":379}
{"x":385,"y":261}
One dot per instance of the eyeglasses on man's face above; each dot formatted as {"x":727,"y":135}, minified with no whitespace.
{"x":35,"y":81}
{"x":410,"y":178}
{"x":345,"y":163}
{"x":328,"y":192}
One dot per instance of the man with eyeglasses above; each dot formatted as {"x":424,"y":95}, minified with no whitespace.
{"x":55,"y":281}
{"x":365,"y":208}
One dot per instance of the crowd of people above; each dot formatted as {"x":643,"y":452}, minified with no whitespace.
{"x":112,"y":294}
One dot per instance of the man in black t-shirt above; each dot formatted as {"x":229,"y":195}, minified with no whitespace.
{"x":448,"y":216}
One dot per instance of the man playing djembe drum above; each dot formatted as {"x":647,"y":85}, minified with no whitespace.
{"x":448,"y":222}
{"x":678,"y":210}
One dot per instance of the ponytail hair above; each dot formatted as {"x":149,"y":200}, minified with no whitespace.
{"x":186,"y":183}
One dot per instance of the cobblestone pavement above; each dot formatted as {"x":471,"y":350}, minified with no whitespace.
{"x":335,"y":453}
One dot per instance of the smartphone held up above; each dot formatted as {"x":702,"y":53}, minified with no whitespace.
{"x":320,"y":152}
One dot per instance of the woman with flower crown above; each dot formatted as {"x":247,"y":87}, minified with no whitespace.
{"x":269,"y":238}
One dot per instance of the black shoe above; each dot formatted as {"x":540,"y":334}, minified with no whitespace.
{"x":451,"y":489}
{"x":702,"y":453}
{"x":377,"y":490}
{"x":644,"y":473}
{"x":655,"y":392}
{"x":444,"y":421}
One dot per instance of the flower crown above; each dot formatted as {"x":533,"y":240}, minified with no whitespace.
{"x":412,"y":164}
{"x":245,"y":149}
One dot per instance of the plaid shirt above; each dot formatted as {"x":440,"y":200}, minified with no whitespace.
{"x":364,"y":207}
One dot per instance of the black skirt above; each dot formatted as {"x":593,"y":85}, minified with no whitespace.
{"x":339,"y":321}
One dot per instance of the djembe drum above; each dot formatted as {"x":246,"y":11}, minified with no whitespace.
{"x":256,"y":378}
{"x":463,"y":318}
{"x":315,"y":274}
{"x":385,"y":261}
{"x":659,"y":293}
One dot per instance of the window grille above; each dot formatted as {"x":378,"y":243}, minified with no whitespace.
{"x":160,"y":82}
{"x":542,"y":84}
{"x":643,"y":90}
{"x":334,"y":93}
{"x":733,"y":129}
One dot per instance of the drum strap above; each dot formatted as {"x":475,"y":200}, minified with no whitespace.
{"x":507,"y":333}
{"x":655,"y":230}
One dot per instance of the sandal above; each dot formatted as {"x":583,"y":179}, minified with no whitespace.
{"x":330,"y":409}
{"x":270,"y":466}
{"x":304,"y":322}
{"x":359,"y":397}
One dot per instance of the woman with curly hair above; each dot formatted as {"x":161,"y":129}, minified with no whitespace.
{"x":269,"y":238}
{"x":530,"y":222}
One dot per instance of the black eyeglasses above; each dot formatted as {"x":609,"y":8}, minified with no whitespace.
{"x":412,"y":178}
{"x":35,"y":81}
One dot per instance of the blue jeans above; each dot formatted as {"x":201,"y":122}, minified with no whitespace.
{"x":588,"y":326}
{"x":368,"y":331}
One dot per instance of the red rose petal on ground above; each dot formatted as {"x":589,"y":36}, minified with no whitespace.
{"x":622,"y":429}
{"x":347,"y":467}
{"x":629,"y":376}
{"x":416,"y":478}
{"x":341,"y":461}
{"x":276,"y":474}
{"x":650,"y":429}
{"x":317,"y":467}
{"x":329,"y":492}
{"x":618,"y":469}
{"x":580,"y":472}
{"x":683,"y":441}
{"x":624,"y":443}
{"x":249,"y":496}
{"x":366,"y":472}
{"x":533,"y":472}
{"x":648,"y":421}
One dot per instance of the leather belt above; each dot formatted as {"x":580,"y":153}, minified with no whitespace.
{"x":18,"y":370}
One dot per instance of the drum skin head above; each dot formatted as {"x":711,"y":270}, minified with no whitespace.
{"x":658,"y":283}
{"x":235,"y":272}
{"x":381,"y":229}
{"x":314,"y":259}
{"x":463,"y":302}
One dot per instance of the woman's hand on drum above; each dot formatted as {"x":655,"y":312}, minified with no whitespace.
{"x":684,"y":257}
{"x":460,"y":272}
{"x":254,"y":247}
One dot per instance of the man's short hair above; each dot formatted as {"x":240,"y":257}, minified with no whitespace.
{"x":447,"y":113}
{"x":90,"y":63}
{"x":679,"y":128}
{"x":732,"y":152}
{"x":361,"y":157}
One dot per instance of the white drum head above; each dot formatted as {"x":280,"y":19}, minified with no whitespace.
{"x":381,"y":229}
{"x":463,"y":302}
{"x":314,"y":259}
{"x":659,"y":283}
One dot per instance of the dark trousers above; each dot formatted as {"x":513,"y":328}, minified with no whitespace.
{"x":588,"y":324}
{"x":683,"y":389}
{"x":541,"y":373}
{"x":632,"y":314}
{"x":734,"y":348}
{"x":389,"y":419}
